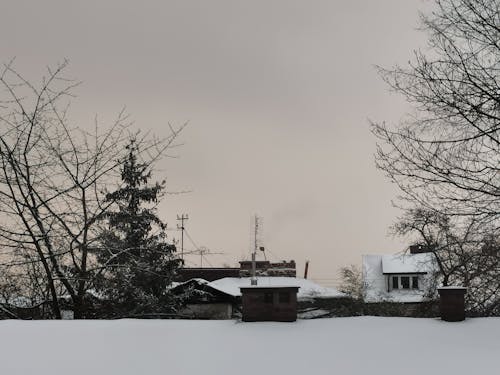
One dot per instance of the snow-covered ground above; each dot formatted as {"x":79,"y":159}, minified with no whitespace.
{"x":363,"y":345}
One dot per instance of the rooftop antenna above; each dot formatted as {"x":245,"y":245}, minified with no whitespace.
{"x":181,"y":227}
{"x":202,"y":251}
{"x":257,"y":224}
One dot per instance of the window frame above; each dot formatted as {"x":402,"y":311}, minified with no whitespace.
{"x":411,"y":278}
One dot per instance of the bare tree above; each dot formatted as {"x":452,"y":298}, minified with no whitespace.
{"x":467,"y":254}
{"x":446,"y":155}
{"x":352,"y":281}
{"x":436,"y":234}
{"x":53,"y":182}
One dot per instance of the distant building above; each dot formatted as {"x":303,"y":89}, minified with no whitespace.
{"x":407,"y":278}
{"x":221,"y":299}
{"x":308,"y":291}
{"x":203,"y":301}
{"x":266,"y":268}
{"x":263,"y":268}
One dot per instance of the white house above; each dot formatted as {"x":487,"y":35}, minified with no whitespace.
{"x":398,"y":278}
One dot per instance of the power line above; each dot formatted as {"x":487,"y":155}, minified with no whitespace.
{"x":274,"y":255}
{"x":191,"y":239}
{"x":206,"y":260}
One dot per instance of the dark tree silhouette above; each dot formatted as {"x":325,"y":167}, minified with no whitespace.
{"x":139,"y":262}
{"x":53,"y":178}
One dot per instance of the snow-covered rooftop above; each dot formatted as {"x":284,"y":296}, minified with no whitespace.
{"x":355,"y":346}
{"x":308,"y":289}
{"x":407,"y":263}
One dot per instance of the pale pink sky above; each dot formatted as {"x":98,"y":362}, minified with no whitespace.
{"x":277,"y":93}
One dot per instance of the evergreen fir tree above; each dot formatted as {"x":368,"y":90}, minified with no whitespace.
{"x":138,"y":260}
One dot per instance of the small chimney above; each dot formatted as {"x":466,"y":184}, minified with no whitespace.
{"x":421,"y":248}
{"x":452,"y":303}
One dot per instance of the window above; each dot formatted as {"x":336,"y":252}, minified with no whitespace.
{"x":404,"y":282}
{"x":414,"y":282}
{"x":395,"y":282}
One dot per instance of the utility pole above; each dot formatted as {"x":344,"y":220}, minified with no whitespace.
{"x":181,"y":227}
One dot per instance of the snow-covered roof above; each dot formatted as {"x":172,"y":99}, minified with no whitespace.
{"x":307,"y":288}
{"x":198,"y":280}
{"x":407,"y":263}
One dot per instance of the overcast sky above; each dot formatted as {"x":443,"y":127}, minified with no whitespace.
{"x":277,"y":93}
